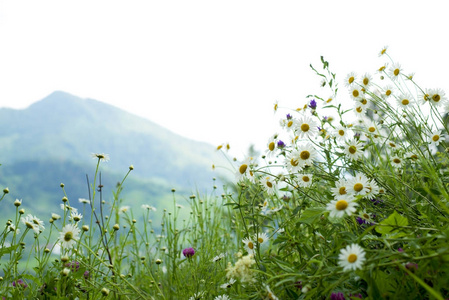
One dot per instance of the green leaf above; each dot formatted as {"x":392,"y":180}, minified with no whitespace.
{"x":312,"y":214}
{"x":394,"y":219}
{"x":7,"y":250}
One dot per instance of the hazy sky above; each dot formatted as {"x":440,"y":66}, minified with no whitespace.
{"x":210,"y":70}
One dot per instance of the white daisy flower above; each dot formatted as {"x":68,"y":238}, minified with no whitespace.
{"x":83,"y":201}
{"x":228,"y":284}
{"x":269,"y":184}
{"x":222,"y":297}
{"x":383,"y":51}
{"x":342,"y":206}
{"x":288,"y":123}
{"x":249,"y":245}
{"x":341,"y":189}
{"x":359,"y":185}
{"x":397,"y":162}
{"x":437,"y":97}
{"x":306,"y":127}
{"x":372,"y":128}
{"x":28,"y":222}
{"x":305,"y":180}
{"x":352,"y":257}
{"x":395,"y":71}
{"x":405,"y":101}
{"x":355,"y":92}
{"x":350,"y":79}
{"x":373,"y":190}
{"x":387,"y":91}
{"x":218,"y":257}
{"x":306,"y":153}
{"x":261,"y":238}
{"x":366,"y":81}
{"x":69,"y":235}
{"x":101,"y":156}
{"x":270,"y":294}
{"x":271,"y":145}
{"x":341,"y":133}
{"x":354,"y":149}
{"x":148,"y":207}
{"x":243,"y":169}
{"x":124,"y":209}
{"x":37,"y":221}
{"x":13,"y":228}
{"x":76,"y":216}
{"x":359,"y":110}
{"x":197,"y":296}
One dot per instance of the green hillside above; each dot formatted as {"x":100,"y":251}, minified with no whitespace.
{"x":52,"y":140}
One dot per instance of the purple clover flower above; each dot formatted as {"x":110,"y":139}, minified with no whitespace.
{"x":19,"y":282}
{"x":281,"y":144}
{"x":313,"y":104}
{"x":188,"y":252}
{"x":74,"y":266}
{"x":289,"y":117}
{"x":337,"y":296}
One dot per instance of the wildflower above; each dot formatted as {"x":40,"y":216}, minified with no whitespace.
{"x":373,"y":190}
{"x":69,"y":235}
{"x":242,"y":269}
{"x":359,"y":185}
{"x":105,"y":291}
{"x":12,"y":228}
{"x":65,"y":272}
{"x":148,"y":207}
{"x":18,"y":202}
{"x":124,"y":209}
{"x":395,"y":71}
{"x":337,"y":296}
{"x":352,"y":257}
{"x":222,"y":297}
{"x":353,"y":149}
{"x":359,"y":110}
{"x":83,"y":201}
{"x":342,"y":206}
{"x":307,"y":128}
{"x":275,"y":107}
{"x":313,"y":104}
{"x":396,"y":162}
{"x":355,"y":93}
{"x":197,"y":296}
{"x":366,"y":81}
{"x":350,"y":79}
{"x":280,"y":144}
{"x":288,"y":122}
{"x":28,"y":222}
{"x":261,"y":238}
{"x":341,"y":189}
{"x":387,"y":91}
{"x":364,"y":218}
{"x":188,"y":252}
{"x":341,"y":133}
{"x":271,"y":145}
{"x":435,"y":137}
{"x":413,"y":267}
{"x":218,"y":257}
{"x":75,"y":216}
{"x":249,"y":245}
{"x":270,"y":294}
{"x":305,"y":180}
{"x":244,"y":169}
{"x":269,"y":185}
{"x":20,"y":283}
{"x":101,"y":156}
{"x":305,"y":154}
{"x":74,"y":266}
{"x":405,"y":101}
{"x":227,"y":285}
{"x":383,"y":51}
{"x":437,"y":97}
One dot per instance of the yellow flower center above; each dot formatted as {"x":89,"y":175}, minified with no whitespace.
{"x":364,"y":101}
{"x":426,"y":97}
{"x":371,"y":129}
{"x":276,"y":107}
{"x":436,"y":98}
{"x":396,"y":72}
{"x":305,"y":127}
{"x":359,"y":109}
{"x":341,"y":205}
{"x":381,"y":68}
{"x":392,"y":145}
{"x":306,"y":178}
{"x":383,"y":51}
{"x":29,"y":225}
{"x":352,"y":149}
{"x":352,"y":258}
{"x":290,"y":123}
{"x":341,"y":132}
{"x":355,"y":93}
{"x":358,"y":187}
{"x":243,"y":168}
{"x":250,"y":245}
{"x":68,"y":236}
{"x":405,"y":102}
{"x":294,"y":162}
{"x":351,"y":79}
{"x":271,"y":146}
{"x":342,"y":190}
{"x":388,"y":92}
{"x":260,"y":240}
{"x":365,"y":81}
{"x":414,"y":156}
{"x":366,"y":216}
{"x":304,"y":155}
{"x":269,"y":184}
{"x":397,"y":161}
{"x":435,"y":138}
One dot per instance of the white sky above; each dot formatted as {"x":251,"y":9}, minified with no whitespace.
{"x":210,"y":70}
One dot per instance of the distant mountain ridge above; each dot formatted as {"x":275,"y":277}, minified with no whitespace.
{"x":64,"y":130}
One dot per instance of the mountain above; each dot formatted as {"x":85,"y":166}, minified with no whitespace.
{"x":52,"y":140}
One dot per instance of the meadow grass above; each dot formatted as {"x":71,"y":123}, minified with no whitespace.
{"x":349,"y":201}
